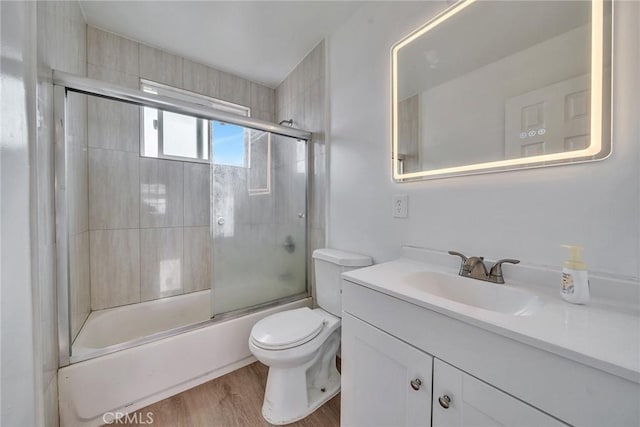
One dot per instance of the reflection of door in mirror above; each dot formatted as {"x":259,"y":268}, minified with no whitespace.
{"x":552,"y":119}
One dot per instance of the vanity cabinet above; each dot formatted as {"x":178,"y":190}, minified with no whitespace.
{"x":459,"y":399}
{"x":490,"y":379}
{"x":385,"y":382}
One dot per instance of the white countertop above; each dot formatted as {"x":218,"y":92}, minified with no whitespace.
{"x":604,"y":338}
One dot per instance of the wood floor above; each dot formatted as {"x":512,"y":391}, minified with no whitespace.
{"x":233,"y":400}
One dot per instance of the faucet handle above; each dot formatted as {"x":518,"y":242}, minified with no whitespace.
{"x":495,"y":275}
{"x":464,"y":258}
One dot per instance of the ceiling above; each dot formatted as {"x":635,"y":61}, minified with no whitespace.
{"x":262,"y":41}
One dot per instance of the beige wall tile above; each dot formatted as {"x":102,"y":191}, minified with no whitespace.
{"x":196,"y":194}
{"x":109,"y":75}
{"x":281,"y":96}
{"x":77,"y":119}
{"x":111,"y":51}
{"x":263,"y":115}
{"x":78,"y":189}
{"x":161,"y":259}
{"x":114,"y":200}
{"x":313,"y":65}
{"x":314,"y":108}
{"x":113,"y":125}
{"x":161,"y":193}
{"x":317,"y":198}
{"x":161,"y":66}
{"x":79,"y":281}
{"x":235,"y":89}
{"x":296,"y":86}
{"x":195,"y":77}
{"x":316,"y":241}
{"x":197,"y":259}
{"x":115,"y":268}
{"x":213,"y":82}
{"x":262,"y":97}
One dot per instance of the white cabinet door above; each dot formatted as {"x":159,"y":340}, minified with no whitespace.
{"x":472,"y":402}
{"x":385,"y":382}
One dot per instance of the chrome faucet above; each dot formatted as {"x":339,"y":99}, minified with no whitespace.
{"x":475,"y":268}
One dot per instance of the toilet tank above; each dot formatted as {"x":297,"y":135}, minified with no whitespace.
{"x":329,"y":265}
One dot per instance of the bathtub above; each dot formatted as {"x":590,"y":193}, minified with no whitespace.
{"x":114,"y":328}
{"x":128,"y":379}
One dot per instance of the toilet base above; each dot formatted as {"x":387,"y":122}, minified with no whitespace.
{"x":292,"y":393}
{"x":314,"y":396}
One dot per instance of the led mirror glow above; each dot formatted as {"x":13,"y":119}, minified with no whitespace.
{"x":491,"y":86}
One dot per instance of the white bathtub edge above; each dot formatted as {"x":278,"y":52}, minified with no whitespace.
{"x":131,"y":379}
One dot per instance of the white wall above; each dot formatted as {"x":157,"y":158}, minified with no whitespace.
{"x":19,"y":394}
{"x":35,"y":39}
{"x":525,"y":214}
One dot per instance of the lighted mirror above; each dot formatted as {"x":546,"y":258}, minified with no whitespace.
{"x":500,"y":85}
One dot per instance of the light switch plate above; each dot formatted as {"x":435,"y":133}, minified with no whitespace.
{"x":399,"y":207}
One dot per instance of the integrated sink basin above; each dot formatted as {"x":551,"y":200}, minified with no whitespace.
{"x":476,"y":293}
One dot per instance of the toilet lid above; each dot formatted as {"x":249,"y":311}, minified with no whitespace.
{"x":287,"y":329}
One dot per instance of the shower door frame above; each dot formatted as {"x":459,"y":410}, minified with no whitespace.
{"x":63,"y":83}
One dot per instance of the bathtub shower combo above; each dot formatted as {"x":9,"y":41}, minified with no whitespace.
{"x":180,"y":222}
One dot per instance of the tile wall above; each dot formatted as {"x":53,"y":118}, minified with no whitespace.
{"x":155,"y":212}
{"x":301,"y":97}
{"x":61,"y":45}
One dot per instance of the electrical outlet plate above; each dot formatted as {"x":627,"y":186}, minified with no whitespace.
{"x":399,"y":207}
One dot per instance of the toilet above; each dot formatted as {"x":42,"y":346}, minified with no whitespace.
{"x":300,"y":346}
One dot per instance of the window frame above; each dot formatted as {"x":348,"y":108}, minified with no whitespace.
{"x":156,"y":88}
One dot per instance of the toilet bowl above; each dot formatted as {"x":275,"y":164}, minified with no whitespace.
{"x":300,"y":346}
{"x":302,"y":373}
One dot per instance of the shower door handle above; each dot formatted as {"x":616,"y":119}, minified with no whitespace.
{"x":289,"y":245}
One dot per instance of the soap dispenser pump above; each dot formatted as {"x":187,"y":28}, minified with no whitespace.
{"x":575,"y":280}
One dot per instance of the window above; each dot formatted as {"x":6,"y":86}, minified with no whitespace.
{"x":228,"y":144}
{"x":182,"y":137}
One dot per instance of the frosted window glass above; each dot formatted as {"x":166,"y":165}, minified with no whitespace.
{"x":180,"y":135}
{"x":150,"y":132}
{"x":205,"y":139}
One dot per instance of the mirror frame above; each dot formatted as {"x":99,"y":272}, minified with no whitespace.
{"x":600,"y":144}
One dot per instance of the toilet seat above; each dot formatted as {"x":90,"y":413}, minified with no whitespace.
{"x":287,"y":329}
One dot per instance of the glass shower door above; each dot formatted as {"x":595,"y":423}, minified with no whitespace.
{"x":259,"y":194}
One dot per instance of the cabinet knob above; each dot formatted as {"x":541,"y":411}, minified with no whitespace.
{"x":444,"y":401}
{"x":415,"y":384}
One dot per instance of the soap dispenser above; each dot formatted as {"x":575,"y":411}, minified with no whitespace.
{"x":575,"y":280}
